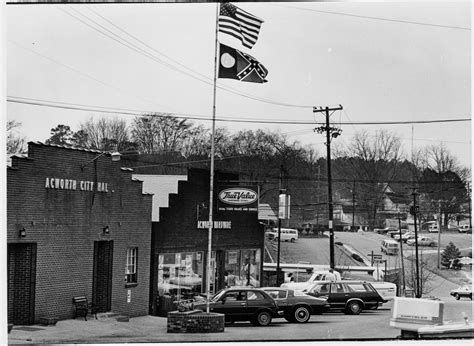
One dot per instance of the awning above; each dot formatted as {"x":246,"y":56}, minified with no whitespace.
{"x":265,"y":212}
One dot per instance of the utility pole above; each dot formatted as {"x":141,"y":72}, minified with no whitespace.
{"x":401,"y":251}
{"x":331,"y":132}
{"x":469,"y":204}
{"x":439,"y":234}
{"x":414,"y":212}
{"x":353,"y":206}
{"x":279,"y":229}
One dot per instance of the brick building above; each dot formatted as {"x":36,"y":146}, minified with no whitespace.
{"x":77,"y":225}
{"x":180,"y":238}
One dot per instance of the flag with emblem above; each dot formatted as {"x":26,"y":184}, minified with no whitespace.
{"x":235,"y":64}
{"x":239,"y":24}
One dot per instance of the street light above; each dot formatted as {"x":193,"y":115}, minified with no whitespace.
{"x":115,"y":156}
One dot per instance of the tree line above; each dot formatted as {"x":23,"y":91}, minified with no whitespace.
{"x":362,"y":170}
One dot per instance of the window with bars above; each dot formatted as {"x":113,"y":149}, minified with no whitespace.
{"x":131,"y":266}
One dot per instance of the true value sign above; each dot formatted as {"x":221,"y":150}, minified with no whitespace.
{"x":238,"y":199}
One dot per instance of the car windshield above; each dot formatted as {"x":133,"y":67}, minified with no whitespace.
{"x":216,"y":297}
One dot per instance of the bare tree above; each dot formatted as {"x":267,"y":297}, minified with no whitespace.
{"x":425,"y":276}
{"x":160,"y":132}
{"x":104,"y":134}
{"x":15,"y":142}
{"x":373,"y":162}
{"x":439,"y":159}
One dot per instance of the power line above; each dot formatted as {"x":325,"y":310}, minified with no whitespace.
{"x":119,"y":39}
{"x":378,"y":18}
{"x":89,"y":108}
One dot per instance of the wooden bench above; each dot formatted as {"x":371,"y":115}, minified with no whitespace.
{"x":82,"y":307}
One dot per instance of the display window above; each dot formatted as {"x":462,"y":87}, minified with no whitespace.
{"x":180,"y":275}
{"x":242,"y":267}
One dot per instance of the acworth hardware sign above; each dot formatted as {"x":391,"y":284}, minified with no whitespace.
{"x":238,"y":198}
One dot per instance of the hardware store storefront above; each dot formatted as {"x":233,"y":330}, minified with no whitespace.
{"x":77,"y":225}
{"x":180,"y":240}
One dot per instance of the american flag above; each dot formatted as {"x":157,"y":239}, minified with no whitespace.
{"x":240,"y":24}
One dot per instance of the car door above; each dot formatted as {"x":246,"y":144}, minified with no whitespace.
{"x":339,"y":295}
{"x":322,"y":289}
{"x":255,"y":301}
{"x":233,"y":304}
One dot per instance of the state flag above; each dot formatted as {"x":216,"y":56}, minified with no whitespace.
{"x":234,"y":64}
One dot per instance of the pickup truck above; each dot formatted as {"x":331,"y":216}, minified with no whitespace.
{"x":316,"y":276}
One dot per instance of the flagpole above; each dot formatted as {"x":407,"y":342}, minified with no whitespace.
{"x":211,"y":183}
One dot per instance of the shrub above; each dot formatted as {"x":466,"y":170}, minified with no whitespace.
{"x":450,"y":255}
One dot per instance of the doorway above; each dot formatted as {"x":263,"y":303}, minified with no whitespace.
{"x":102,"y":281}
{"x":21,"y":283}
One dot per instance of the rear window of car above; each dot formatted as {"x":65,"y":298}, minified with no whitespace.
{"x":277,"y":294}
{"x":255,"y":296}
{"x":358,"y":287}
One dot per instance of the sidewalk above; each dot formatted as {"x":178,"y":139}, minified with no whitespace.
{"x":143,"y":329}
{"x":101,"y":330}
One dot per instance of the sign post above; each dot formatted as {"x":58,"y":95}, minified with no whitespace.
{"x":283,"y":213}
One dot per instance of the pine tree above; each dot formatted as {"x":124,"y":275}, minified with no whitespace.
{"x":450,"y":255}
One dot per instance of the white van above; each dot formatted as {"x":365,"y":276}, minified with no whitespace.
{"x":390,"y":247}
{"x":286,"y":234}
{"x":386,"y":290}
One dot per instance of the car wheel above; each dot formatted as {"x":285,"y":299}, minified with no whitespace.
{"x":457,"y":296}
{"x":263,"y":318}
{"x":301,"y":314}
{"x":354,"y":308}
{"x":292,"y":240}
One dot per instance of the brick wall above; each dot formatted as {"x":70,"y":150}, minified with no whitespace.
{"x":65,"y":224}
{"x":177,"y":230}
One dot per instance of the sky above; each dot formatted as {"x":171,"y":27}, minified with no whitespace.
{"x":383,"y":62}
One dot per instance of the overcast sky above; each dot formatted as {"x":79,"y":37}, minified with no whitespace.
{"x":402,"y":61}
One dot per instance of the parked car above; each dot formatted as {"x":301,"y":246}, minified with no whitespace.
{"x":462,"y":291}
{"x":422,"y":241}
{"x":396,"y":232}
{"x":405,"y":236}
{"x":464,"y":229}
{"x":349,"y":296}
{"x":243,"y":304}
{"x":297,"y":306}
{"x":384,"y":230}
{"x":390,"y":247}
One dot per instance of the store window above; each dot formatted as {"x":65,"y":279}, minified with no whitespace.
{"x":242,"y":267}
{"x":180,"y":275}
{"x":131,"y":266}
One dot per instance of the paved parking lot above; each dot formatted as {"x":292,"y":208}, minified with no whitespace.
{"x":369,"y":325}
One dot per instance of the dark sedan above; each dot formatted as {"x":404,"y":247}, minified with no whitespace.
{"x":349,"y":296}
{"x":297,"y":306}
{"x":242,"y":304}
{"x":463,"y":291}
